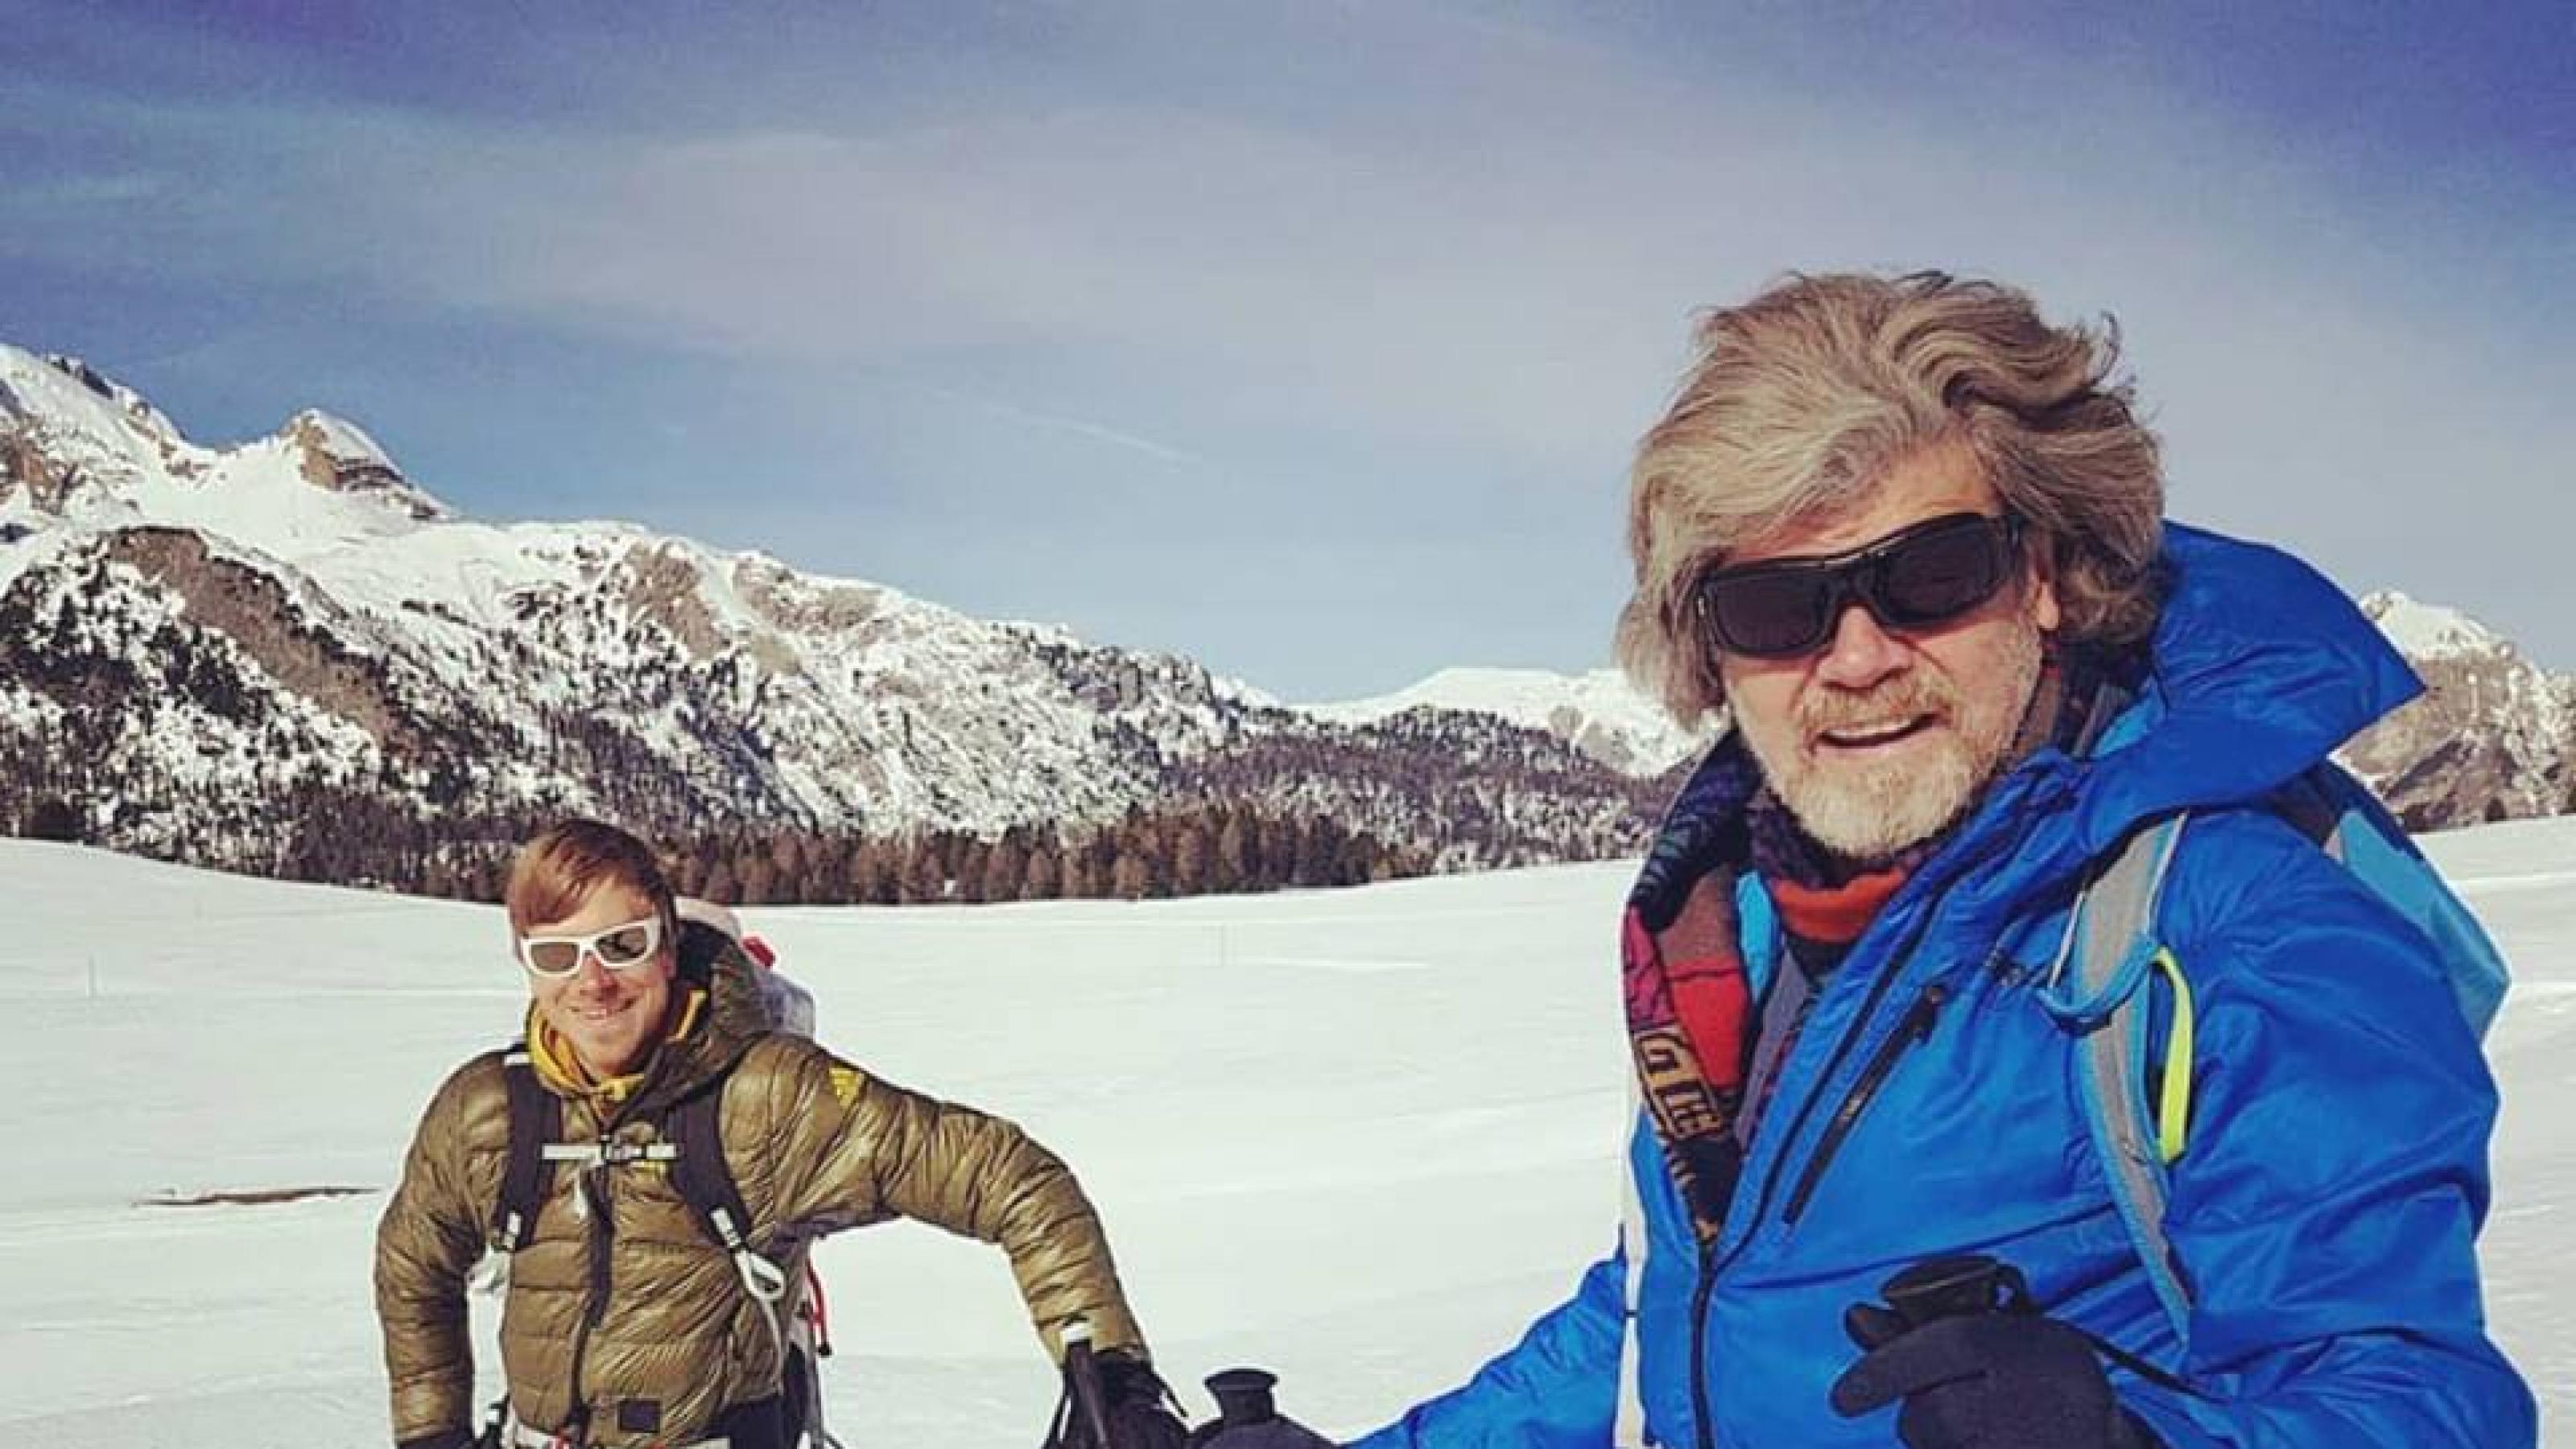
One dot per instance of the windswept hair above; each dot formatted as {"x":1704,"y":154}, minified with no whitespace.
{"x":1799,"y":402}
{"x":562,"y":864}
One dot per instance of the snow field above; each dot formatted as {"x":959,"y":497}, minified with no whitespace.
{"x":1359,"y":1137}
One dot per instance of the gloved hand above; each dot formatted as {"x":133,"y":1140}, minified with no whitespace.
{"x":1986,"y":1381}
{"x":1140,"y":1408}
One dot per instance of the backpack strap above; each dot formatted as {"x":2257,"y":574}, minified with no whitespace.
{"x":700,"y":1173}
{"x":536,"y":1120}
{"x":2098,"y":987}
{"x":2352,"y":826}
{"x":704,"y":1180}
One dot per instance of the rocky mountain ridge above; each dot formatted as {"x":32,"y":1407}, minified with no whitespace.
{"x":219,"y":654}
{"x":190,"y":636}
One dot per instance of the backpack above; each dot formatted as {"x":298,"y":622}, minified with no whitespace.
{"x":2098,"y":988}
{"x":690,"y":1146}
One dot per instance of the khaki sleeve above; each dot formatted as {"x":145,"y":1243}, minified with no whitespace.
{"x":426,"y":1245}
{"x":854,"y":1148}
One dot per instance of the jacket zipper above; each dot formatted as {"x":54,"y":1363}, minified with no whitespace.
{"x":1706,"y":1432}
{"x":603,"y":1234}
{"x":1711,"y":1264}
{"x":1915,"y":1028}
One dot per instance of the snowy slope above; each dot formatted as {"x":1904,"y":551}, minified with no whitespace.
{"x":1279,"y":1103}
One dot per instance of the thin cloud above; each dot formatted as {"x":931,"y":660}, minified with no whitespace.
{"x":1429,"y":270}
{"x":1078,"y":427}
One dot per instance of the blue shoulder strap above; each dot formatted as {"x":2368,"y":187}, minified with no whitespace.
{"x":2374,"y":846}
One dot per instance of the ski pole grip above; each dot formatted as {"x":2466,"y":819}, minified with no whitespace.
{"x":1244,"y":1397}
{"x":1082,"y":1382}
{"x":1956,"y":1287}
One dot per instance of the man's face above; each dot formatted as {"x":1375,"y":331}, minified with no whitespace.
{"x":613,"y":1019}
{"x":1882,"y":738}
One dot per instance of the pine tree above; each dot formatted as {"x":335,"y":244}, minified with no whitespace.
{"x":1131,"y":878}
{"x":966,"y":868}
{"x":1233,"y":868}
{"x":1190,"y":857}
{"x":873,"y":873}
{"x":924,"y":879}
{"x":1043,"y":876}
{"x":53,"y":818}
{"x":785,"y":855}
{"x":1006,"y":869}
{"x":719,"y":885}
{"x":756,"y":878}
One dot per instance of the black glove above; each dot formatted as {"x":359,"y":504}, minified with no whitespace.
{"x":1995,"y":1380}
{"x":1139,"y":1407}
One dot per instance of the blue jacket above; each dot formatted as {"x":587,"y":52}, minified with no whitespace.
{"x":2336,"y":1174}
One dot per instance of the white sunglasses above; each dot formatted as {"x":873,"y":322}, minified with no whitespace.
{"x":618,"y":948}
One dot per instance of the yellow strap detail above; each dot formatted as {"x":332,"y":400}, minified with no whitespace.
{"x":2173,"y":1110}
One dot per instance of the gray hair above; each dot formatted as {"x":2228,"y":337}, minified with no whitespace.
{"x":1801,"y":400}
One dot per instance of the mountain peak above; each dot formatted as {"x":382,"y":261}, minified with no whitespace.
{"x":62,"y":391}
{"x":2430,"y":631}
{"x":338,"y":456}
{"x":128,"y":403}
{"x":1598,"y":712}
{"x":339,"y":439}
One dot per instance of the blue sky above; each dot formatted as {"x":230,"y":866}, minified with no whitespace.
{"x":1307,"y":339}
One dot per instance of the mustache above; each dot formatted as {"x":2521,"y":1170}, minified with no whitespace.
{"x":1899,"y":699}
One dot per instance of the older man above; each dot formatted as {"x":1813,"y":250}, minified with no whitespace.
{"x":632,"y":1320}
{"x":1908,"y":533}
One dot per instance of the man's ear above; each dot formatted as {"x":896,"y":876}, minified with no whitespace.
{"x":2044,"y":609}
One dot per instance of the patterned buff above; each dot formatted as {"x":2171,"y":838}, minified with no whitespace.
{"x":1689,"y":1003}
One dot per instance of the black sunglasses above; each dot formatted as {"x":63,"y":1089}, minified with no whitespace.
{"x":1919,"y":576}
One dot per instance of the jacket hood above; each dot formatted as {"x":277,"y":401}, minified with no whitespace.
{"x":714,"y":960}
{"x":2260,"y":668}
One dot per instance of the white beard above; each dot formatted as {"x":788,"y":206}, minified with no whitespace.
{"x":1868,"y":810}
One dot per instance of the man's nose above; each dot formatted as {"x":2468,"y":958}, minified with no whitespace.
{"x":1861,"y":652}
{"x":592,"y":972}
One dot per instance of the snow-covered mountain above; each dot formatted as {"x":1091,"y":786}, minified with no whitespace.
{"x":253,"y":643}
{"x":2494,"y":738}
{"x":1599,"y":713}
